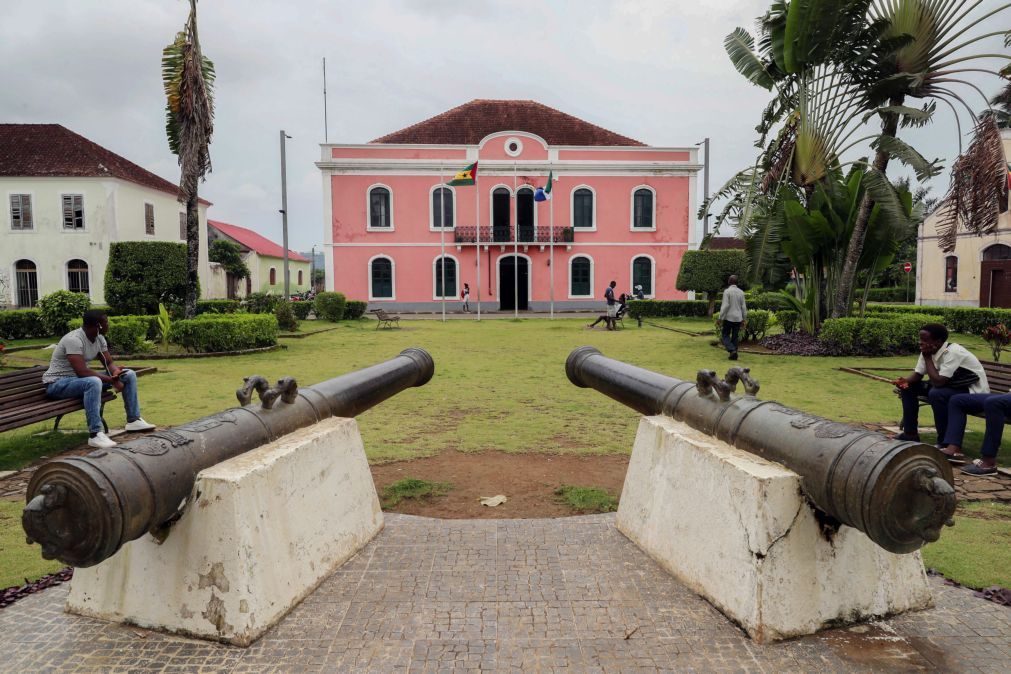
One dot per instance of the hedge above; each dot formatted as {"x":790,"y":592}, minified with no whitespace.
{"x":301,"y":308}
{"x":211,"y":333}
{"x":218,"y":306}
{"x":285,"y":315}
{"x":759,"y":323}
{"x":261,"y":303}
{"x":354,"y":309}
{"x":142,"y":274}
{"x":884,"y":334}
{"x":968,"y":320}
{"x":60,"y":307}
{"x":127,"y":334}
{"x":667,"y":308}
{"x":708,"y":270}
{"x":897,"y":294}
{"x":22,"y":324}
{"x":330,"y":306}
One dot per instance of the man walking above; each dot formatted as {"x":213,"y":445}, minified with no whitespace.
{"x":612,"y":306}
{"x":69,"y":376}
{"x":733,"y":312}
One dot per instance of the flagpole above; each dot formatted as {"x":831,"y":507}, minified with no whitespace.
{"x":551,"y":250}
{"x":477,"y":220}
{"x":442,"y":237}
{"x":516,"y":250}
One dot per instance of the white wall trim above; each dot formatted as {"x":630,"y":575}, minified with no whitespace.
{"x":66,"y":273}
{"x":393,"y":278}
{"x":433,"y":226}
{"x":455,"y":294}
{"x":329,"y":264}
{"x":631,"y":211}
{"x":572,"y":209}
{"x":652,"y":275}
{"x":368,"y":208}
{"x":498,"y":275}
{"x":592,"y":279}
{"x":567,"y":244}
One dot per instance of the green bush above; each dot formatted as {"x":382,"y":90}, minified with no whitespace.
{"x":884,"y":334}
{"x":330,"y":306}
{"x":285,"y":315}
{"x":767,"y":302}
{"x":969,"y":320}
{"x":261,"y":303}
{"x":887,"y":294}
{"x":143,"y":273}
{"x":301,"y":308}
{"x":217,"y":306}
{"x":22,"y":324}
{"x":61,"y":307}
{"x":789,"y":320}
{"x":708,"y":270}
{"x":758,"y":324}
{"x":212,"y":333}
{"x":667,"y":308}
{"x":354,"y":310}
{"x":127,"y":334}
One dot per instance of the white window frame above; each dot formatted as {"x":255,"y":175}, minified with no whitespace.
{"x":592,"y":279}
{"x":368,"y":208}
{"x":593,"y":214}
{"x":14,"y":278}
{"x":519,"y":146}
{"x":433,"y":226}
{"x":153,"y":228}
{"x":10,"y":212}
{"x":652,"y":274}
{"x":66,"y":274}
{"x":498,"y":276}
{"x":491,"y":211}
{"x":435,"y":278}
{"x":631,"y":210}
{"x":84,"y":218}
{"x":393,"y":279}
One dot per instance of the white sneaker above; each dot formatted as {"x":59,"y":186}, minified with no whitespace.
{"x":139,"y":425}
{"x":102,"y":441}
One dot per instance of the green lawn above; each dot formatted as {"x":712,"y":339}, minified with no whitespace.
{"x":499,"y":384}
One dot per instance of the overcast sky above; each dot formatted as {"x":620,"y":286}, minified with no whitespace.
{"x":654,"y":70}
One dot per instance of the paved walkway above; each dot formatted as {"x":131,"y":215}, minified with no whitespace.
{"x":568,"y":595}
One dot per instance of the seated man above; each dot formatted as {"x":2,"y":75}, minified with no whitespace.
{"x":950,"y":370}
{"x":69,"y":376}
{"x":996,"y":408}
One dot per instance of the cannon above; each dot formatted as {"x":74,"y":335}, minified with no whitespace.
{"x":898,"y":493}
{"x":82,"y":509}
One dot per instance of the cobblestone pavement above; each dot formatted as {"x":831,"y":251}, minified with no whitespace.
{"x":567,"y":595}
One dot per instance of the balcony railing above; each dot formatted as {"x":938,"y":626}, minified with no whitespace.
{"x":524,"y":234}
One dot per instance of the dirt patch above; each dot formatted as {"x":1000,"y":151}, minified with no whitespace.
{"x":528,"y":480}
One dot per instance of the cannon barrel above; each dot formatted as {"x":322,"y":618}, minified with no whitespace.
{"x":898,"y":493}
{"x":83,"y":509}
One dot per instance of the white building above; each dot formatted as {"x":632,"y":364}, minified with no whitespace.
{"x":66,"y":199}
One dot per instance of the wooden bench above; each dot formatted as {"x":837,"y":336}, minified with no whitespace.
{"x":385,"y":319}
{"x":998,"y":376}
{"x":23,"y":399}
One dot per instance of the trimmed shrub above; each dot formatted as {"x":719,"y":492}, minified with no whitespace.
{"x":766,"y":302}
{"x":61,"y":307}
{"x":969,"y":320}
{"x":22,"y":324}
{"x":143,"y":273}
{"x":217,"y":306}
{"x":789,"y":320}
{"x":285,"y":316}
{"x":667,"y":308}
{"x":897,"y":294}
{"x":301,"y":308}
{"x":127,"y":334}
{"x":708,"y":270}
{"x":330,"y":306}
{"x":759,"y":322}
{"x":261,"y":303}
{"x":884,"y":334}
{"x":354,"y":310}
{"x":211,"y":333}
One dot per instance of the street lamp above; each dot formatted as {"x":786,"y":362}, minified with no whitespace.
{"x":705,"y":212}
{"x":284,"y":214}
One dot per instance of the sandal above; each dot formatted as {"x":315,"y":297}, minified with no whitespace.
{"x":977,"y":468}
{"x":958,"y":458}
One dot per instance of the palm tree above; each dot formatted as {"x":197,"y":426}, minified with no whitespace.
{"x":188,"y":78}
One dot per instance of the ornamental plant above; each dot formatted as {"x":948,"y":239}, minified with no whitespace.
{"x":998,"y":337}
{"x":60,"y":307}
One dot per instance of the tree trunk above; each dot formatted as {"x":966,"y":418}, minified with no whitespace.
{"x":192,"y":254}
{"x":844,"y":291}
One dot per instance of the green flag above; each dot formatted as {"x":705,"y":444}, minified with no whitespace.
{"x":465,"y":177}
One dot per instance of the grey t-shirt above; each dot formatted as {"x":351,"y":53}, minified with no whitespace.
{"x":74,"y":342}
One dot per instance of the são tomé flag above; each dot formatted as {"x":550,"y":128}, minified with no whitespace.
{"x":465,"y":177}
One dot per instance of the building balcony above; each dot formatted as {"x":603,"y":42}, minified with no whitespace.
{"x":522,"y":234}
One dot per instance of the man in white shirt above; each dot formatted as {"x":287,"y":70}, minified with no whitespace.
{"x":950,"y":370}
{"x":733,"y":312}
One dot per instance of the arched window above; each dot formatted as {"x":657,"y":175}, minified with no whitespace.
{"x":582,"y":208}
{"x":525,"y":214}
{"x":77,"y":277}
{"x":299,"y":277}
{"x":997,"y":252}
{"x":442,"y":208}
{"x":500,"y":224}
{"x":26,"y":283}
{"x":379,"y":208}
{"x":580,"y":277}
{"x":950,"y":274}
{"x":643,"y":209}
{"x":381,"y":278}
{"x":450,"y":278}
{"x":273,"y":276}
{"x":642,"y":275}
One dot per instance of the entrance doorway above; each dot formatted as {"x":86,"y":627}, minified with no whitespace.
{"x":995,"y":277}
{"x":513,"y":283}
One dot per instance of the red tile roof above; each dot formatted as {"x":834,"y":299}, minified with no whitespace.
{"x":52,"y":150}
{"x":471,"y":122}
{"x":253,"y":241}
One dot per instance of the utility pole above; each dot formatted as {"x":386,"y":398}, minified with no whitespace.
{"x":705,"y":187}
{"x":284,"y":214}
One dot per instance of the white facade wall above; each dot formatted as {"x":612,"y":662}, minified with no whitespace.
{"x":113,"y":211}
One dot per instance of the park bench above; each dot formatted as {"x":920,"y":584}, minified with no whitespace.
{"x":385,"y":319}
{"x":998,"y":376}
{"x":23,"y":399}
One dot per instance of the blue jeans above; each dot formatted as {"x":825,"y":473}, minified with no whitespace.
{"x":90,"y":389}
{"x":996,"y":408}
{"x":729,"y":335}
{"x":938,"y":399}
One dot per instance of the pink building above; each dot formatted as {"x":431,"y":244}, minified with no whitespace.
{"x":621,"y":211}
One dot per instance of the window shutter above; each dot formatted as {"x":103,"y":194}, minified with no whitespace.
{"x":149,"y":219}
